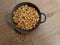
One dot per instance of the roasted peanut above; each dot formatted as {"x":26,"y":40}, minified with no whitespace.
{"x":26,"y":17}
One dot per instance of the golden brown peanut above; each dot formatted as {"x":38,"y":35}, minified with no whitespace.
{"x":26,"y":17}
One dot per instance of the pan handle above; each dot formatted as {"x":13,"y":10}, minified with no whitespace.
{"x":8,"y":17}
{"x":44,"y":17}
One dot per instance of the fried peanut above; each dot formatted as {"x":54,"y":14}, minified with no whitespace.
{"x":26,"y":17}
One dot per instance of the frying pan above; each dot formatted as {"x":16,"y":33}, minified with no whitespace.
{"x":9,"y":17}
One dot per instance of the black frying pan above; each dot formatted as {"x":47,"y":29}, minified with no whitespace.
{"x":14,"y":24}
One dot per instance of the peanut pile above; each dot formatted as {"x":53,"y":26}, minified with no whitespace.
{"x":18,"y":37}
{"x":25,"y":17}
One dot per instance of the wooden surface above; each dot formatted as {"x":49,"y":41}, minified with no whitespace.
{"x":47,"y":33}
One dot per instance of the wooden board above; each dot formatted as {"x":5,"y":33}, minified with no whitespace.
{"x":47,"y":33}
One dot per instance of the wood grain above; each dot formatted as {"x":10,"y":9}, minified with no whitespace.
{"x":47,"y":33}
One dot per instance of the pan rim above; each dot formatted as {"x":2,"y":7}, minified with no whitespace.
{"x":21,"y":30}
